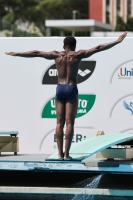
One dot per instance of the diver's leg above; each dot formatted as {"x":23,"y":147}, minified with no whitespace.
{"x":60,"y":111}
{"x":70,"y":114}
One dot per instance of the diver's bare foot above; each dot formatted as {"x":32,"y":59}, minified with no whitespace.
{"x":61,"y":156}
{"x":68,"y":158}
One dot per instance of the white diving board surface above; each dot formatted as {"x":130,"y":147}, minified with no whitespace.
{"x":81,"y":151}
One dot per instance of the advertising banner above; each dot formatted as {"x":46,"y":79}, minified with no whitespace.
{"x":28,"y":85}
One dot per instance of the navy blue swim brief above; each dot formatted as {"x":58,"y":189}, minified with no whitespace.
{"x":65,"y":91}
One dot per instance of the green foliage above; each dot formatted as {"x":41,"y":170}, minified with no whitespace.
{"x":7,"y":20}
{"x":36,"y":11}
{"x":62,"y":9}
{"x":121,"y":26}
{"x":19,"y":33}
{"x":19,"y":8}
{"x":129,"y":25}
{"x":14,"y":10}
{"x":6,"y":33}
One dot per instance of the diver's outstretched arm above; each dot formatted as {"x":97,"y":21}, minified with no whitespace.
{"x":30,"y":54}
{"x":101,"y":47}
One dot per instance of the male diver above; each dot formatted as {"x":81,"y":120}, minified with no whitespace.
{"x":67,"y":64}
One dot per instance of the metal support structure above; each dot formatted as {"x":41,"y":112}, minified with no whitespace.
{"x":105,"y":33}
{"x":61,"y":33}
{"x":74,"y":17}
{"x":11,"y":30}
{"x":92,"y":29}
{"x":48,"y":31}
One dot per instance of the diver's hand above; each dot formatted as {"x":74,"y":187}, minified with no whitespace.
{"x":10,"y":53}
{"x":122,"y":37}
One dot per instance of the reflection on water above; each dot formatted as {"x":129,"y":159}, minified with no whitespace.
{"x":87,"y":184}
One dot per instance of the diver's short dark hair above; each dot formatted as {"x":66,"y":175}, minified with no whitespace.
{"x":70,"y":41}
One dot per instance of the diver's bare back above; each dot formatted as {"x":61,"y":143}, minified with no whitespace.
{"x":67,"y":64}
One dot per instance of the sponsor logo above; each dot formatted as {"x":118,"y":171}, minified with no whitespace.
{"x":123,"y":108}
{"x":80,"y":134}
{"x":76,"y":138}
{"x":85,"y":103}
{"x":128,"y":107}
{"x":83,"y":73}
{"x":124,"y":73}
{"x":86,"y":69}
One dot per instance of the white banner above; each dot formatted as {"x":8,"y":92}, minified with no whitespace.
{"x":27,"y":91}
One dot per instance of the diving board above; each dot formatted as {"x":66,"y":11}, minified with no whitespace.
{"x":85,"y":149}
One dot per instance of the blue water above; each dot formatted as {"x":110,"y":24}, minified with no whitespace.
{"x":87,"y":184}
{"x":103,"y":181}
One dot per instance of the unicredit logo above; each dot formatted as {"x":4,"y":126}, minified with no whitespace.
{"x":85,"y":71}
{"x":124,"y":73}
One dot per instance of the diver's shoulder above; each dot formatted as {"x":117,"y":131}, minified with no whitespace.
{"x":55,"y":51}
{"x":79,"y":51}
